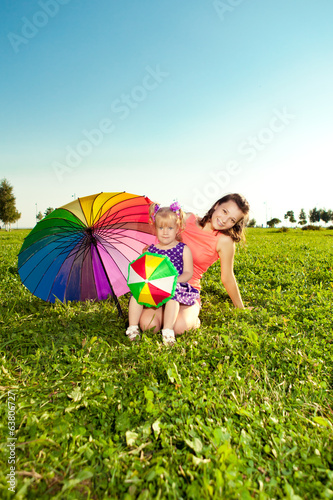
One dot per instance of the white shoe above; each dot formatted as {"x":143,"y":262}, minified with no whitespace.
{"x":168,"y":336}
{"x":133,"y":332}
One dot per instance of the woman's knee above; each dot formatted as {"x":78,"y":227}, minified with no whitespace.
{"x":187,"y":320}
{"x":147,"y":322}
{"x":183,"y":326}
{"x":179,"y":328}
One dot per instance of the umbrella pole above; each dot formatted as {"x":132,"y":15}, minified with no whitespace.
{"x":120,"y":312}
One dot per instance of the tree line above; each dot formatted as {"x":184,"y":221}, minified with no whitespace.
{"x":9,"y":215}
{"x":314,"y":215}
{"x":41,"y":215}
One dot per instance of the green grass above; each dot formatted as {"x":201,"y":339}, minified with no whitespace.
{"x":240,"y":409}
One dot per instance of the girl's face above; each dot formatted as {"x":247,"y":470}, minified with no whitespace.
{"x":166,"y":230}
{"x":226,"y":215}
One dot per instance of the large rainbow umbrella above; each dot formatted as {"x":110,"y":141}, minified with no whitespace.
{"x":152,"y":279}
{"x":81,"y":250}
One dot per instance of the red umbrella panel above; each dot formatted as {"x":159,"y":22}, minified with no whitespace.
{"x":81,"y":251}
{"x":152,"y":279}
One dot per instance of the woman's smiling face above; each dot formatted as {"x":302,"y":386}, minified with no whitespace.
{"x":226,"y":215}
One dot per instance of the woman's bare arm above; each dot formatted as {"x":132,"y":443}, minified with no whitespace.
{"x":226,"y":251}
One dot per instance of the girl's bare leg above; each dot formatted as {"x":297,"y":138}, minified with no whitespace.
{"x":134,"y":312}
{"x":171,"y":310}
{"x":187,"y":319}
{"x":151,"y":318}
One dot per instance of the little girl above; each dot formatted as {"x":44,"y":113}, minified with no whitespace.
{"x":169,"y":222}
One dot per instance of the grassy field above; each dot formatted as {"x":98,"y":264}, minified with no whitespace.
{"x":240,"y":409}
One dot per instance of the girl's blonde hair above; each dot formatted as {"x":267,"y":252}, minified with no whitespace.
{"x":174,"y":213}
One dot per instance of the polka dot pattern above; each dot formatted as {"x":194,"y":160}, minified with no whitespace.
{"x":185,"y":293}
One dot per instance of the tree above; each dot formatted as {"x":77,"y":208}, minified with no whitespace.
{"x":8,"y":212}
{"x":48,"y":211}
{"x":326,"y":215}
{"x":302,"y":217}
{"x":290,"y":215}
{"x":251,"y":223}
{"x":314,"y":215}
{"x":273,"y":222}
{"x":39,"y":216}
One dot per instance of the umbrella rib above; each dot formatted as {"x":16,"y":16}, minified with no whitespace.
{"x":124,"y":244}
{"x":121,"y":227}
{"x":106,"y":201}
{"x":107,"y":277}
{"x":59,"y":235}
{"x":62,"y":244}
{"x":83,"y":248}
{"x":121,"y":235}
{"x":139,"y":205}
{"x":102,"y":245}
{"x":68,"y":222}
{"x":41,"y":279}
{"x":113,"y":216}
{"x":87,"y":223}
{"x":80,"y":222}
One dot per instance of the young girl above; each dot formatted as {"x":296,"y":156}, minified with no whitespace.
{"x":210,"y":238}
{"x":169,"y":222}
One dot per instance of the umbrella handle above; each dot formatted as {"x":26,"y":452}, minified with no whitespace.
{"x":115,"y":298}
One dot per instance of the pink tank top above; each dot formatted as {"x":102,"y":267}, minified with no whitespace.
{"x":203,"y":247}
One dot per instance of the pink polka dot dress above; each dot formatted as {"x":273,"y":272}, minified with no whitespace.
{"x":185,"y":293}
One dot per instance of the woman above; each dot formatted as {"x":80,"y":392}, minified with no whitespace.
{"x":210,"y":238}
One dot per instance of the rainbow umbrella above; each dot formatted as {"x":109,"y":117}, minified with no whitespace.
{"x":152,"y":279}
{"x":81,"y":250}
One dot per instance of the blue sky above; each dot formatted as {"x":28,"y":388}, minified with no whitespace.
{"x":183,"y":100}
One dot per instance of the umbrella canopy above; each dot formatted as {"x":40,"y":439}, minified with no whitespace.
{"x":81,"y":250}
{"x":152,"y":279}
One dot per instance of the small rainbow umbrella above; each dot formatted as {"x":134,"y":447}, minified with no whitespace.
{"x":81,"y":250}
{"x":152,"y":279}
